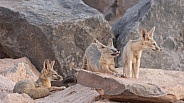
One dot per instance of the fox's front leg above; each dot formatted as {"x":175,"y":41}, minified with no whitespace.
{"x":105,"y":69}
{"x":136,"y":69}
{"x":129,"y":69}
{"x":56,"y":88}
{"x":112,"y":68}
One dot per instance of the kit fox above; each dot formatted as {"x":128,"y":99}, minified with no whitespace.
{"x":42,"y":87}
{"x":100,"y":58}
{"x":133,"y":50}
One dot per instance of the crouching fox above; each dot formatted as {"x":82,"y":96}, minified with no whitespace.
{"x":42,"y":87}
{"x":100,"y":58}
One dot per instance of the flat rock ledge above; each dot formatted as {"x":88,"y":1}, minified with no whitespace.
{"x":73,"y":94}
{"x":153,"y":85}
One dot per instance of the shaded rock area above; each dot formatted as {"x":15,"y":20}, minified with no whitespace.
{"x":154,"y":85}
{"x":167,"y":17}
{"x":111,"y":9}
{"x":57,"y":30}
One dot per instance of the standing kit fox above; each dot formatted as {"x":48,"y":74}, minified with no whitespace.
{"x":133,"y":50}
{"x":42,"y":86}
{"x":100,"y":58}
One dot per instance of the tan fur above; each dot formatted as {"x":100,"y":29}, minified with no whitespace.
{"x":42,"y":86}
{"x":100,"y":58}
{"x":133,"y":50}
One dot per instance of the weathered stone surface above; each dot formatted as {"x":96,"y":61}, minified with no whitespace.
{"x":17,"y":98}
{"x":167,"y":17}
{"x":6,"y":86}
{"x":153,"y":85}
{"x":73,"y":94}
{"x":18,"y":69}
{"x":111,"y":9}
{"x":57,"y":30}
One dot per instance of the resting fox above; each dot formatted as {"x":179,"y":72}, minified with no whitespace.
{"x":100,"y":58}
{"x":133,"y":50}
{"x":42,"y":86}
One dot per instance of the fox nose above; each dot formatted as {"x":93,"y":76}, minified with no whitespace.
{"x":160,"y":49}
{"x":60,"y":78}
{"x":118,"y":51}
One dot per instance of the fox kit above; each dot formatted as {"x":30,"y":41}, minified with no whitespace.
{"x":133,"y":50}
{"x":100,"y":58}
{"x":42,"y":86}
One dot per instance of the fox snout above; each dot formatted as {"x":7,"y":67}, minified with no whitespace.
{"x":58,"y":78}
{"x":116,"y":53}
{"x":157,"y":48}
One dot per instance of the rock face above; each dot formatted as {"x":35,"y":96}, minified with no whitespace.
{"x":154,"y":85}
{"x":73,"y":94}
{"x":111,"y":9}
{"x":57,"y":30}
{"x":167,"y":17}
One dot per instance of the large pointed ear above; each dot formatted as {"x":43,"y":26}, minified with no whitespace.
{"x":110,"y":42}
{"x":46,"y":64}
{"x":99,"y":45}
{"x":144,"y":34}
{"x":150,"y":33}
{"x":52,"y":64}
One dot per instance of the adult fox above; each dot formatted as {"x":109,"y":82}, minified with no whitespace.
{"x":42,"y":86}
{"x":100,"y":58}
{"x":133,"y":50}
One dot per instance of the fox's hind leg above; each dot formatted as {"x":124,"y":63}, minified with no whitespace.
{"x":124,"y":69}
{"x":133,"y":69}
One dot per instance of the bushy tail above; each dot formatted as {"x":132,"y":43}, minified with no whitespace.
{"x":37,"y":92}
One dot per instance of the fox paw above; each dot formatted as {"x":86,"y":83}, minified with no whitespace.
{"x":117,"y":75}
{"x":123,"y":76}
{"x":56,"y":88}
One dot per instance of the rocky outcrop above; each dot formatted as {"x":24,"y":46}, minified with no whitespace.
{"x":57,"y":30}
{"x":111,"y":9}
{"x":167,"y":17}
{"x":154,"y":85}
{"x":73,"y":94}
{"x":18,"y":69}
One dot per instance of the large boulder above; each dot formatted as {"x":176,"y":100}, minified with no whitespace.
{"x":111,"y":9}
{"x":153,"y":85}
{"x":57,"y":30}
{"x":167,"y":17}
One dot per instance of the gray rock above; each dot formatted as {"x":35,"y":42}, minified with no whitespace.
{"x":111,"y":9}
{"x":167,"y":16}
{"x":57,"y":30}
{"x":149,"y":88}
